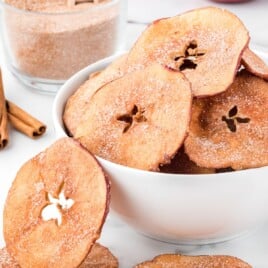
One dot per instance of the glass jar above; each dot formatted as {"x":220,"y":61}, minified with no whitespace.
{"x":45,"y":48}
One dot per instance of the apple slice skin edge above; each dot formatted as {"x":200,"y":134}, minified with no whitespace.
{"x":254,"y":64}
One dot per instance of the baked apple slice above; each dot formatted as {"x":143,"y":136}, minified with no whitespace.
{"x":56,"y":207}
{"x":77,"y":103}
{"x":205,"y":261}
{"x":231,"y":129}
{"x":254,"y":64}
{"x":205,"y":44}
{"x":139,"y":120}
{"x":99,"y":257}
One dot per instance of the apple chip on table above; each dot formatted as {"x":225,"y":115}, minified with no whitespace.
{"x":183,"y":261}
{"x":56,"y":207}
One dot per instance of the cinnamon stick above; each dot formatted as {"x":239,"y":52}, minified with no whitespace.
{"x":23,"y":121}
{"x":3,"y":116}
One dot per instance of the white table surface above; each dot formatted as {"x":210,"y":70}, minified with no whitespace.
{"x":129,"y":246}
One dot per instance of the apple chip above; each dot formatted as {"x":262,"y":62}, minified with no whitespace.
{"x":77,"y":103}
{"x":181,"y":164}
{"x":139,"y":120}
{"x":6,"y":261}
{"x":254,"y":64}
{"x":205,"y":44}
{"x":205,"y":261}
{"x":231,"y":129}
{"x":56,"y":207}
{"x":100,"y":257}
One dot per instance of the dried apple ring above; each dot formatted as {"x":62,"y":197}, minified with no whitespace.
{"x":231,"y":129}
{"x":56,"y":207}
{"x":254,"y":64}
{"x":205,"y":261}
{"x":205,"y":44}
{"x":99,"y":257}
{"x":77,"y":103}
{"x":139,"y":120}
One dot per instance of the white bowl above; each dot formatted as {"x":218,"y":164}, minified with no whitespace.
{"x":191,"y":209}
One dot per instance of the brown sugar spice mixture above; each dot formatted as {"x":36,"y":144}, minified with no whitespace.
{"x":231,"y":129}
{"x":58,"y":40}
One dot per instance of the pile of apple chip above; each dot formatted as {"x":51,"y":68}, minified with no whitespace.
{"x":189,"y":97}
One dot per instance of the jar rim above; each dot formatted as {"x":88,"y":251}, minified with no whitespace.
{"x":65,"y":13}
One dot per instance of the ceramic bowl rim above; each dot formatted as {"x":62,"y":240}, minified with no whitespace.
{"x":68,"y":86}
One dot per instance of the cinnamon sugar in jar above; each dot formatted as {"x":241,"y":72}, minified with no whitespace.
{"x":48,"y":41}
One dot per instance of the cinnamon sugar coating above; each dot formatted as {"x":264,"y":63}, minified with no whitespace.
{"x":100,"y":257}
{"x":78,"y":103}
{"x":64,"y":167}
{"x":254,"y":64}
{"x":132,"y":120}
{"x":231,"y":129}
{"x":55,"y":40}
{"x":205,"y":44}
{"x":181,"y":261}
{"x":6,"y":261}
{"x":53,"y":6}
